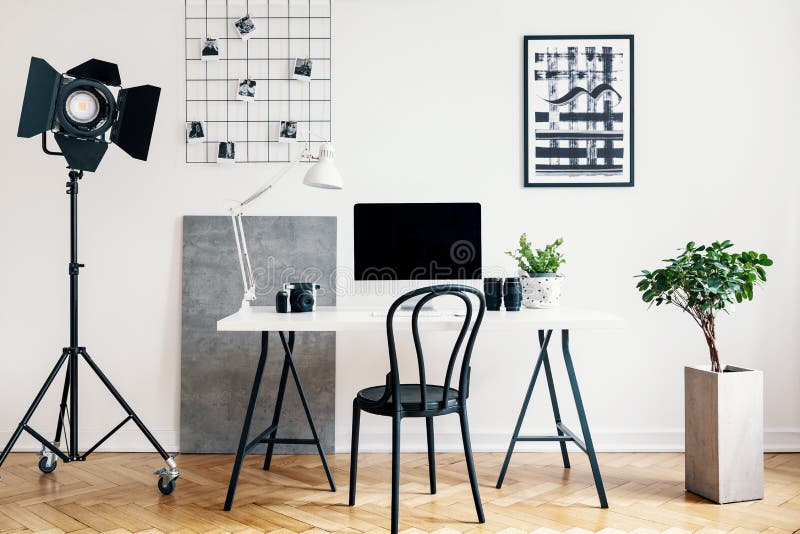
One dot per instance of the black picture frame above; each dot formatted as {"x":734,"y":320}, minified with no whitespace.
{"x":629,"y":131}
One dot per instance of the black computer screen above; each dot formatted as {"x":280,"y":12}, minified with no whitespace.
{"x":417,"y":241}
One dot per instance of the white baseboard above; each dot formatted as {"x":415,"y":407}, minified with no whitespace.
{"x":779,"y":440}
{"x":128,"y":439}
{"x":131,"y":440}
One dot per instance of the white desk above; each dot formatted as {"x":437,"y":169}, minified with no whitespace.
{"x":336,"y":319}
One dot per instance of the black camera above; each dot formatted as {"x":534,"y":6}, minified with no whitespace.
{"x":297,"y":297}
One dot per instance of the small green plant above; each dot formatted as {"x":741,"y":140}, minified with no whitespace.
{"x":704,"y":280}
{"x":538,"y":261}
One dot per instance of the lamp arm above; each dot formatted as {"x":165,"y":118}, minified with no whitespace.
{"x":241,"y":255}
{"x":237,"y":209}
{"x":267,"y":186}
{"x":305,"y":155}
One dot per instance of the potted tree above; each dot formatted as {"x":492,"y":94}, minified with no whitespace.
{"x":541,"y":283}
{"x":724,"y":437}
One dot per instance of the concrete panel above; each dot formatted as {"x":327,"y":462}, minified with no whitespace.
{"x":217,"y":368}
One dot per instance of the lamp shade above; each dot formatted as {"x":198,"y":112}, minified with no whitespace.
{"x":324,"y":173}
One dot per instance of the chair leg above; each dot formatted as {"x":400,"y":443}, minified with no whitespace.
{"x":354,"y":452}
{"x":396,"y":419}
{"x":473,"y":477}
{"x":431,"y":454}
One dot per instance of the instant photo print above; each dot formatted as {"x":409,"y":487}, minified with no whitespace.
{"x":195,"y":132}
{"x":245,"y":27}
{"x":246,"y":90}
{"x":209,"y":49}
{"x":288,"y":132}
{"x":301,"y":69}
{"x":226,"y":153}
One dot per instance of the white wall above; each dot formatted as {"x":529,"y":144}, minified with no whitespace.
{"x":427,"y":107}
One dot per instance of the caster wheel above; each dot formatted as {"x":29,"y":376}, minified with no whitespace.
{"x":43,"y":467}
{"x":167,"y":488}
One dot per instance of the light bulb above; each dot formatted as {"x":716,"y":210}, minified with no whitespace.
{"x":82,"y":107}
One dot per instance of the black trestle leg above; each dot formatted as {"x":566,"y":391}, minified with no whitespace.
{"x":287,"y":348}
{"x":473,"y":477}
{"x":431,"y":454}
{"x":354,"y":452}
{"x":587,"y":437}
{"x":276,"y":416}
{"x":548,"y":374}
{"x":248,"y":419}
{"x":524,"y":410}
{"x":396,"y":419}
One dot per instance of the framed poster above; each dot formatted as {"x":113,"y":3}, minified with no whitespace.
{"x":578,"y":110}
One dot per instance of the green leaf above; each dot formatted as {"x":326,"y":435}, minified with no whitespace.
{"x":546,"y":260}
{"x":705,"y":278}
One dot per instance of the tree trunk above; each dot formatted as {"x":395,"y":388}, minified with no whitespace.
{"x":711,"y":339}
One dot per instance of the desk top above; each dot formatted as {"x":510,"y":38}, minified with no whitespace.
{"x":342,"y":319}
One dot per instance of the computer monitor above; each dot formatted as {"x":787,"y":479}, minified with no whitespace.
{"x":434,"y":241}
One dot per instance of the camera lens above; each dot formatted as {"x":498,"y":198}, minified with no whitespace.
{"x":302,"y":300}
{"x":493,"y":292}
{"x":512,"y":294}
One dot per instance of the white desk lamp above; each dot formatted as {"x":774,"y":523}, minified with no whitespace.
{"x":322,"y":174}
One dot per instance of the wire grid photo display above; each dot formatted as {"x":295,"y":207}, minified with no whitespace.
{"x":259,"y":79}
{"x":579,"y":110}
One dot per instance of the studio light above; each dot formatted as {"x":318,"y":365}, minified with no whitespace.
{"x":79,"y":107}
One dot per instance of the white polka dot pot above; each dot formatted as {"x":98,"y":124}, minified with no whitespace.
{"x":541,"y":290}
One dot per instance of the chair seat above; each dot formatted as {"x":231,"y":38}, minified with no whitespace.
{"x":410,"y":395}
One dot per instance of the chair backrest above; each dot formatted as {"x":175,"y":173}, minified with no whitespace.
{"x":468,"y":331}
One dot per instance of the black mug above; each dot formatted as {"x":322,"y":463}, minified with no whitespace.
{"x":512,"y":294}
{"x":493,"y":291}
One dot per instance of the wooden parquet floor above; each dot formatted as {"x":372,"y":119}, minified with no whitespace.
{"x":117,"y":493}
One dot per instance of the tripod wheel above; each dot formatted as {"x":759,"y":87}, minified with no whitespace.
{"x":167,"y":488}
{"x":44,"y":468}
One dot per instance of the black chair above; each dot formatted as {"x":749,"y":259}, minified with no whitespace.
{"x":398,"y":400}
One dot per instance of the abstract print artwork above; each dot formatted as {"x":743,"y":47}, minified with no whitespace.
{"x":579,"y":110}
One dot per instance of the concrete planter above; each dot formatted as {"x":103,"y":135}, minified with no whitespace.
{"x":724,"y":433}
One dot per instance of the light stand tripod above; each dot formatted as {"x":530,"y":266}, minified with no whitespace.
{"x":68,"y":413}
